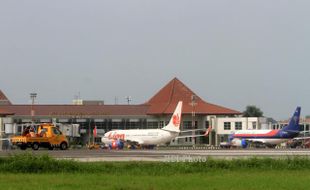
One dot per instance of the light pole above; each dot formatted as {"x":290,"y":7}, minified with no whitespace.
{"x":33,"y":95}
{"x":128,"y":98}
{"x":193,"y":104}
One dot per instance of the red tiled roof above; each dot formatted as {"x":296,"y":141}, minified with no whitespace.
{"x":5,"y":112}
{"x":165,"y":100}
{"x":3,"y":98}
{"x":77,"y":110}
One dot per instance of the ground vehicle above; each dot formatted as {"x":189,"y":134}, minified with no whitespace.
{"x":47,"y":135}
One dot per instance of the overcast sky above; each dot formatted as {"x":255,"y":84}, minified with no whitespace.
{"x":231,"y":53}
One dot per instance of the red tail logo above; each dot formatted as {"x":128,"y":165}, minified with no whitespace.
{"x":176,"y":120}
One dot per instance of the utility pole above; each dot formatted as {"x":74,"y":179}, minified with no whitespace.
{"x":33,"y":96}
{"x":193,"y":104}
{"x":129,"y":99}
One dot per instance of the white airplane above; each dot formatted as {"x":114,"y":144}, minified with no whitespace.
{"x":117,"y":138}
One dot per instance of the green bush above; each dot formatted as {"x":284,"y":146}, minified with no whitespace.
{"x":34,"y":164}
{"x":29,"y":163}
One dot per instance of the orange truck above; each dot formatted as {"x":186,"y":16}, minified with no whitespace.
{"x":47,"y":136}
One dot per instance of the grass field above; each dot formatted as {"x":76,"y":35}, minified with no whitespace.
{"x":43,"y":172}
{"x":239,"y":180}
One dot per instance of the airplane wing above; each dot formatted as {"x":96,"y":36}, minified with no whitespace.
{"x":193,"y":130}
{"x":186,"y":131}
{"x":203,"y":135}
{"x":181,"y":137}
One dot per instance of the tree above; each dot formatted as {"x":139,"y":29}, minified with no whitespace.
{"x":252,"y":111}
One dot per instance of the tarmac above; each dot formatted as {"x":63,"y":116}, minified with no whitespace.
{"x":85,"y":155}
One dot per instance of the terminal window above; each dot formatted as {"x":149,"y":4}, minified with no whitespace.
{"x":189,"y":124}
{"x":161,"y":124}
{"x":152,"y":125}
{"x":116,"y":125}
{"x":134,"y":125}
{"x":238,"y":126}
{"x":254,"y":124}
{"x":227,"y":126}
{"x":207,"y":124}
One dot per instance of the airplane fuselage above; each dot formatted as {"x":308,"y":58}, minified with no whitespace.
{"x":141,"y":136}
{"x":272,"y":137}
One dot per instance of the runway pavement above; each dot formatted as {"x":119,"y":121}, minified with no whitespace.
{"x":162,"y":155}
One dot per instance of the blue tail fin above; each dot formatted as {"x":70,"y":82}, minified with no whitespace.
{"x":294,"y":122}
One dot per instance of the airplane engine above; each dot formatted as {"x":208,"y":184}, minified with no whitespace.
{"x":116,"y":144}
{"x":240,"y":143}
{"x":244,"y":143}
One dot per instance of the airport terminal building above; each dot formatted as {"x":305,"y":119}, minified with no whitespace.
{"x":81,"y":118}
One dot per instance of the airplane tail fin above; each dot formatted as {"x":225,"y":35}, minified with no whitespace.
{"x":175,"y":121}
{"x":293,"y":125}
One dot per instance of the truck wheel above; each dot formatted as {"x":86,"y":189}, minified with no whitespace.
{"x":23,"y":147}
{"x":35,"y":146}
{"x":63,"y":146}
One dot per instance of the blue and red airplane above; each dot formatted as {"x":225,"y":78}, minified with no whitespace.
{"x":269,"y":138}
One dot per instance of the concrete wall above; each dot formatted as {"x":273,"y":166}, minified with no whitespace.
{"x":247,"y":123}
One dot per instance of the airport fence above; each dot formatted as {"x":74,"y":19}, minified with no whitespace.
{"x":211,"y":147}
{"x":191,"y":147}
